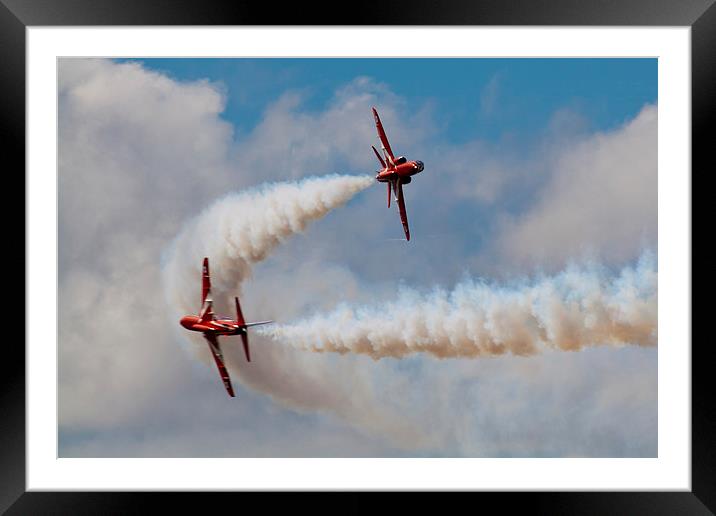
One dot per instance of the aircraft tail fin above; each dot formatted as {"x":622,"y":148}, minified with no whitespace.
{"x":239,"y":315}
{"x":241,"y":322}
{"x":245,"y":342}
{"x":245,"y":337}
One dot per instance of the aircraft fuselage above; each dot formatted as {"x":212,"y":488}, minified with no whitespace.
{"x":400,"y":170}
{"x":216,"y":326}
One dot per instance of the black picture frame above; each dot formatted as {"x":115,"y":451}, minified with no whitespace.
{"x":16,"y":15}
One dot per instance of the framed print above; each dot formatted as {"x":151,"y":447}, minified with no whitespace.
{"x":238,"y":310}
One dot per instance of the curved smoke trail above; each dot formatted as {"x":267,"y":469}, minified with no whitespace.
{"x":239,"y":231}
{"x":574,"y":309}
{"x":242,"y":229}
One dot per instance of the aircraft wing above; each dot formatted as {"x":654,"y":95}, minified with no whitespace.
{"x":205,"y":280}
{"x":219,"y":359}
{"x":401,"y":209}
{"x":382,"y":136}
{"x":207,"y":311}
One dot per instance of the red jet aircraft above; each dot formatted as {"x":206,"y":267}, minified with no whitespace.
{"x":396,"y":172}
{"x":212,"y":326}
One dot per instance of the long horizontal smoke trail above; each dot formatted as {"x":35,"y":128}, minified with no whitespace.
{"x":574,"y":309}
{"x":243,"y":228}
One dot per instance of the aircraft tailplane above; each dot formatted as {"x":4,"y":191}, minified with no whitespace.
{"x":378,"y":156}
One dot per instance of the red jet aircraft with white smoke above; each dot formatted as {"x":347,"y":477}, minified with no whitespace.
{"x":396,"y":172}
{"x":212,"y":326}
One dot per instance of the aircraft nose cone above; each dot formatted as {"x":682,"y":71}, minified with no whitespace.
{"x":185,"y":321}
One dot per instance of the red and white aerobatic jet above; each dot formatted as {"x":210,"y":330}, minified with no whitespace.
{"x":212,"y":326}
{"x":396,"y":172}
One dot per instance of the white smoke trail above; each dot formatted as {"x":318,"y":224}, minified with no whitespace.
{"x":574,"y":309}
{"x":243,"y":228}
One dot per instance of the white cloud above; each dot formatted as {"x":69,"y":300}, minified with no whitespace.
{"x":293,"y":143}
{"x":136,"y":151}
{"x":600,"y":201}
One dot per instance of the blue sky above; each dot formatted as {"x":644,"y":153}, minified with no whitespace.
{"x":513,"y":106}
{"x":531,"y":165}
{"x":527,"y":92}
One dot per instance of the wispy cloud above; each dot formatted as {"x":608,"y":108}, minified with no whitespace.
{"x":489,"y":95}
